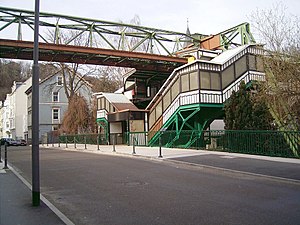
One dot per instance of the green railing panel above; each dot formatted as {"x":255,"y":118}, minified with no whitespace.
{"x":270,"y":143}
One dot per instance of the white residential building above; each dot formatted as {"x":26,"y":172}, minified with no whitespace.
{"x":5,"y":111}
{"x":1,"y":119}
{"x":14,"y":110}
{"x":19,"y":108}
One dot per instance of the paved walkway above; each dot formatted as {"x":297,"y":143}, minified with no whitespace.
{"x":15,"y":203}
{"x":286,"y":169}
{"x":167,"y":153}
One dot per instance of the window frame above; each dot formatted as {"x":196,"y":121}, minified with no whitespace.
{"x":59,"y":80}
{"x":58,"y":114}
{"x":53,"y":96}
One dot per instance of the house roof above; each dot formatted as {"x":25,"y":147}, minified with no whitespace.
{"x":119,"y":101}
{"x":54,"y":74}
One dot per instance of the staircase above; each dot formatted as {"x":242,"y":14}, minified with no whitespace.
{"x":182,"y":106}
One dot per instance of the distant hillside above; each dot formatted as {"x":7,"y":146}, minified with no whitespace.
{"x":11,"y":71}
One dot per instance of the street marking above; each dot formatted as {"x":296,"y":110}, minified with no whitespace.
{"x":228,"y":157}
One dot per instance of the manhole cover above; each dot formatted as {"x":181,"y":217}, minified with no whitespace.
{"x":134,"y":183}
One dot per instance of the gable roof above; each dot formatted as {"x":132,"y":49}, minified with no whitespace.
{"x":119,"y":101}
{"x":58,"y":73}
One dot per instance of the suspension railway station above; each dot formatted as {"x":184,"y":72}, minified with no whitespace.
{"x":177,"y":83}
{"x":175,"y":108}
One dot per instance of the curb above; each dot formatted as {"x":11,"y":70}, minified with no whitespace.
{"x":287,"y":180}
{"x":58,"y":213}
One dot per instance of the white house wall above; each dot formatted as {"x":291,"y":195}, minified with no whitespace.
{"x":21,"y":108}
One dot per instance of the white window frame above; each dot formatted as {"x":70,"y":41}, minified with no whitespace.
{"x":53,"y":95}
{"x":59,"y":80}
{"x":58,"y":114}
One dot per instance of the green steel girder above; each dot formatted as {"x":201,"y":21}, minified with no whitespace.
{"x":194,"y":117}
{"x":111,"y":34}
{"x":227,"y":37}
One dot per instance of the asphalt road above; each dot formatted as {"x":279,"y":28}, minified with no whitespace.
{"x":102,"y":189}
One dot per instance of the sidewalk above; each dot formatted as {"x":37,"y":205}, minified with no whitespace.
{"x":284,"y":169}
{"x":15,"y":203}
{"x":166,"y":153}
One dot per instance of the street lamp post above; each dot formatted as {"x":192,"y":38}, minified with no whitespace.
{"x":35,"y":112}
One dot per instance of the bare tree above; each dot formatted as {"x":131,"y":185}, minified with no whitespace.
{"x":279,"y":31}
{"x":73,"y":74}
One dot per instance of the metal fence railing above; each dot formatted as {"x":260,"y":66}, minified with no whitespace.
{"x":270,"y":143}
{"x":83,"y":139}
{"x":265,"y":142}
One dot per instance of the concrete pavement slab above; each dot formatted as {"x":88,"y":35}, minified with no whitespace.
{"x":15,"y":204}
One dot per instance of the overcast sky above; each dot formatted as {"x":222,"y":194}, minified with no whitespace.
{"x":206,"y":17}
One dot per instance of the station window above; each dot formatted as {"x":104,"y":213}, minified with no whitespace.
{"x":185,"y":86}
{"x":175,"y":89}
{"x":194,"y":83}
{"x":205,"y":80}
{"x":215,"y":81}
{"x":240,"y":66}
{"x":166,"y":100}
{"x":252,"y":63}
{"x":227,"y":76}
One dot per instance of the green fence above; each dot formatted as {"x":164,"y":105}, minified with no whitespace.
{"x":83,"y":139}
{"x":270,"y":143}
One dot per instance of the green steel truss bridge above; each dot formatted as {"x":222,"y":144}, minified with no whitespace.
{"x":89,"y":41}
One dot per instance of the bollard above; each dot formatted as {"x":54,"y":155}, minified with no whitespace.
{"x":66,"y":139}
{"x":98,"y":142}
{"x":84,"y":142}
{"x":133,"y":147}
{"x":159,"y":155}
{"x":58,"y":142}
{"x":74,"y":141}
{"x":52,"y":141}
{"x":114,"y":143}
{"x":47,"y":141}
{"x":0,"y":152}
{"x":5,"y":157}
